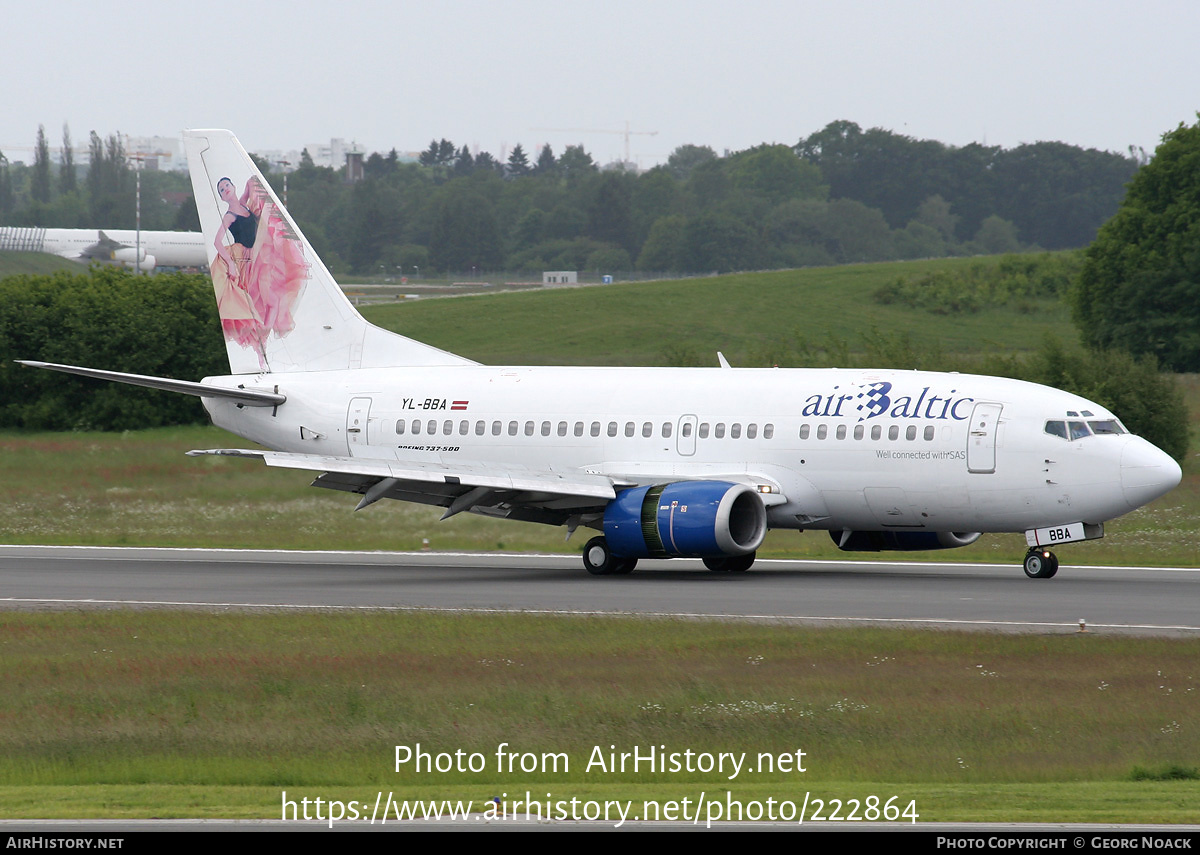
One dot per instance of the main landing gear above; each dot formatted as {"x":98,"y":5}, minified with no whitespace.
{"x":1040,"y":563}
{"x":599,"y":560}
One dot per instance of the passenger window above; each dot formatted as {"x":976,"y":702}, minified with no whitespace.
{"x":545,"y":428}
{"x":719,"y":430}
{"x":480,"y":426}
{"x":751,"y":431}
{"x":910,"y":433}
{"x":735,"y":430}
{"x":595,"y":428}
{"x":562,"y":428}
{"x":841,"y":431}
{"x":629,"y":428}
{"x":612,"y":428}
{"x":768,"y":431}
{"x":647,"y":429}
{"x":858,"y":431}
{"x":400,"y":427}
{"x":687,"y":429}
{"x":822,"y":431}
{"x":876,"y":431}
{"x":804,"y":431}
{"x":416,"y":427}
{"x":529,"y":428}
{"x":464,"y":428}
{"x":928,"y":433}
{"x":448,"y":427}
{"x":431,"y":427}
{"x":704,"y":430}
{"x":894,"y":432}
{"x":512,"y":428}
{"x":666,"y":430}
{"x":1057,"y":428}
{"x":496,"y":428}
{"x":579,"y":428}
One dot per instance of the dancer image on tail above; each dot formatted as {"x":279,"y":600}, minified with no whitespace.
{"x":259,"y":276}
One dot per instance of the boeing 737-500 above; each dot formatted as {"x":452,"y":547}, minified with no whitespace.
{"x":662,"y":462}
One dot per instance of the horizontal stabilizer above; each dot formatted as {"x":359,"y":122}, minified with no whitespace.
{"x":248,"y":397}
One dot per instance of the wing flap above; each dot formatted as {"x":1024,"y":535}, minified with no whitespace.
{"x":441,"y":484}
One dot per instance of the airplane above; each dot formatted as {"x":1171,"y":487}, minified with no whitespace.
{"x":120,"y":247}
{"x":662,"y":462}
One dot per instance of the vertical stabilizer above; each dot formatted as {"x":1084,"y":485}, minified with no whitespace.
{"x":281,"y":310}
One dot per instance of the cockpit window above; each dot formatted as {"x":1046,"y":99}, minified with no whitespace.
{"x":1078,"y":430}
{"x":1058,"y":429}
{"x":1107,"y":426}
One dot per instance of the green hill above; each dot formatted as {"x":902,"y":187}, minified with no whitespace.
{"x":792,"y":317}
{"x":16,"y":263}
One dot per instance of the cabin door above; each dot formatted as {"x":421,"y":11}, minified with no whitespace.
{"x":981,"y":438}
{"x":357,"y":417}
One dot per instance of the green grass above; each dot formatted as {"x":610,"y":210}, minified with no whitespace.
{"x":754,"y":318}
{"x":16,"y":263}
{"x":136,"y":713}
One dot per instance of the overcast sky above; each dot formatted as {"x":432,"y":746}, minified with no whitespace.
{"x":728,"y":74}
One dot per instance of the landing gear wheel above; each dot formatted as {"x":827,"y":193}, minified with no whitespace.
{"x":600,"y":561}
{"x":729,"y":563}
{"x":1040,"y":564}
{"x":623,"y":566}
{"x":597,"y":558}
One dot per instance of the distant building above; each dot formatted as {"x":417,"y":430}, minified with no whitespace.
{"x":164,"y":154}
{"x":560,"y":277}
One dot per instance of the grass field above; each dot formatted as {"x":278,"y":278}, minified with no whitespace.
{"x":789,"y":317}
{"x":16,"y":263}
{"x":189,"y":714}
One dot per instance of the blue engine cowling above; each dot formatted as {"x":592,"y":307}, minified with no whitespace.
{"x":901,"y":541}
{"x":686,"y":518}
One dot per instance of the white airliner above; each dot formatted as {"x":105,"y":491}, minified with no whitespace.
{"x":664,"y":462}
{"x":122,"y":247}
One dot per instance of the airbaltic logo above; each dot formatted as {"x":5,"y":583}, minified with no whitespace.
{"x":877,"y":400}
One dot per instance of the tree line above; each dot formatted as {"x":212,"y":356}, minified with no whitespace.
{"x":61,"y":193}
{"x":839,"y":195}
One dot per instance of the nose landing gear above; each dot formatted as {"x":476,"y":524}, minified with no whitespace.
{"x":1040,"y":563}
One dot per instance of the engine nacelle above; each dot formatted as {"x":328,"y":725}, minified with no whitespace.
{"x":901,"y":541}
{"x":685,"y":518}
{"x":130,"y":257}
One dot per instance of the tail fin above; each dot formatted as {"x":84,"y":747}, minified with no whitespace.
{"x":281,"y":310}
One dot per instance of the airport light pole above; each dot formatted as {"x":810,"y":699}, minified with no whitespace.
{"x":285,"y":164}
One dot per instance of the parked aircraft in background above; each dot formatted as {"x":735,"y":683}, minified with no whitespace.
{"x":663,"y":462}
{"x":110,"y":246}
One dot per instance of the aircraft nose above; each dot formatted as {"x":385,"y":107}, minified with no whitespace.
{"x":1147,"y":472}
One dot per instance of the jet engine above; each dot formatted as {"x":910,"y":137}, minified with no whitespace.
{"x":900,"y":541}
{"x":129,"y":257}
{"x":685,"y":518}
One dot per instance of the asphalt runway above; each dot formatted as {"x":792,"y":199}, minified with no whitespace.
{"x":1153,"y":601}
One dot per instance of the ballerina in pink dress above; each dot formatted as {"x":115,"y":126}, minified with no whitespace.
{"x":260,"y":275}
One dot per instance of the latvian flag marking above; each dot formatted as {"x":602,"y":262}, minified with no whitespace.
{"x":459,"y":405}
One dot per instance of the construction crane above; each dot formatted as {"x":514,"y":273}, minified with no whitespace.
{"x":625,"y":133}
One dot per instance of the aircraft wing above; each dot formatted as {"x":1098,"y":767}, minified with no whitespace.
{"x":103,"y":248}
{"x":542,"y":495}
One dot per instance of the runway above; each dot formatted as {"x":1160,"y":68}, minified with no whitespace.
{"x":1155,"y":601}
